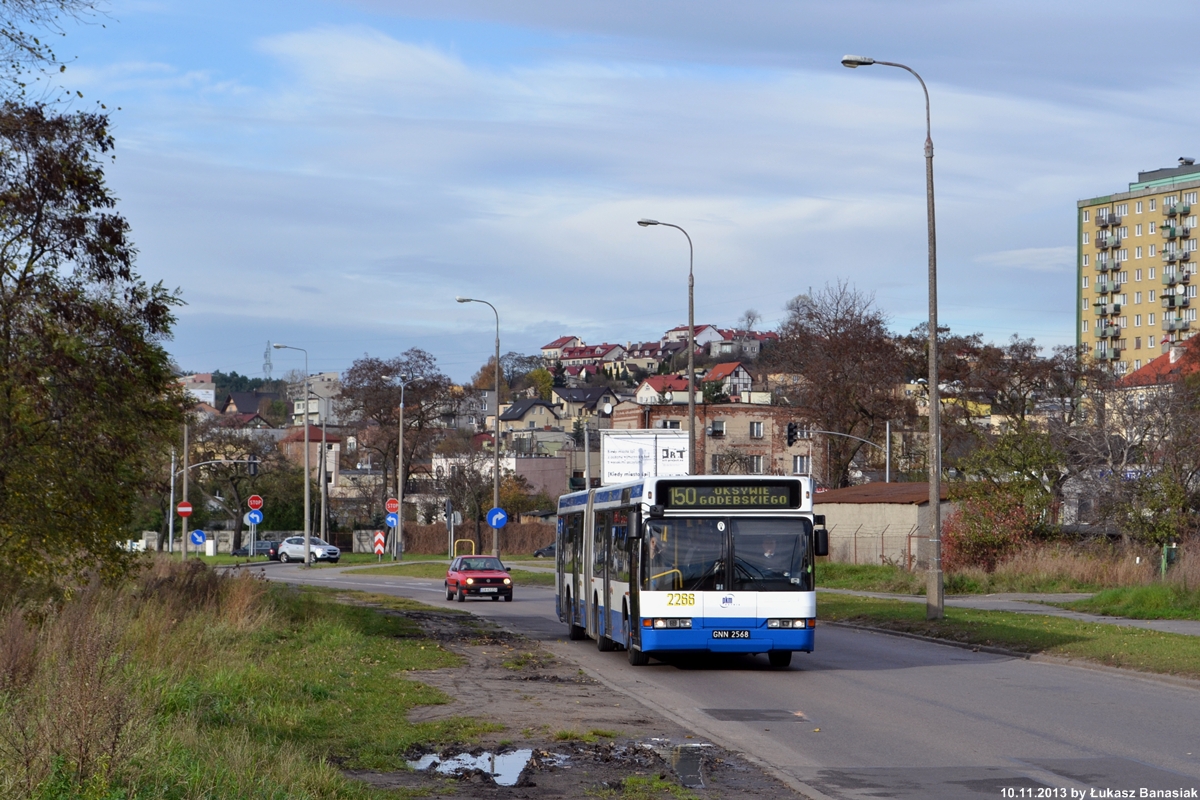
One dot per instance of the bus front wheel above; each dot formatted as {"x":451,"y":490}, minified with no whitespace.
{"x":780,"y":658}
{"x":636,"y":657}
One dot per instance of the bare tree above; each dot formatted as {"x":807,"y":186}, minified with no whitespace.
{"x":848,"y":364}
{"x":372,"y":404}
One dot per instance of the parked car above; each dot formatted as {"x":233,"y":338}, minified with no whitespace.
{"x":478,"y":576}
{"x":292,"y":549}
{"x":261,"y":548}
{"x":545,"y":552}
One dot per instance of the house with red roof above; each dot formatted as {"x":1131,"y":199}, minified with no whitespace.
{"x":733,"y":378}
{"x":592,"y":355}
{"x":1168,"y":368}
{"x":705,"y":335}
{"x":553,"y":352}
{"x":653,"y":390}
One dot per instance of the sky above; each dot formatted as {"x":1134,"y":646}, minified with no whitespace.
{"x":331,"y":175}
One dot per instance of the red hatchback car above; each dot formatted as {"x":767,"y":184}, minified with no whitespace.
{"x":478,"y":576}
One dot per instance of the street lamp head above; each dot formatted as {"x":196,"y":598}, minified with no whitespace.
{"x":463,"y":299}
{"x":279,"y":346}
{"x":646,"y":222}
{"x":851,"y":62}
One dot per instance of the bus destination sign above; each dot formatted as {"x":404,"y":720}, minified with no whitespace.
{"x":733,"y":495}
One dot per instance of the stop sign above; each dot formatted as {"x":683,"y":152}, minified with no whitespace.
{"x":184,"y":509}
{"x":392,"y":505}
{"x":255,"y":502}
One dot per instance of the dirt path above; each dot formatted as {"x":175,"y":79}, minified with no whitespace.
{"x":564,"y":734}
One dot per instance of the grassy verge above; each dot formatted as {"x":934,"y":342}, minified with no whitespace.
{"x":438,"y":571}
{"x":1158,"y":601}
{"x":893,"y":579}
{"x":193,"y":685}
{"x":1131,"y":648}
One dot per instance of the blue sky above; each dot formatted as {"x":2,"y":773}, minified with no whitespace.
{"x":332,"y":175}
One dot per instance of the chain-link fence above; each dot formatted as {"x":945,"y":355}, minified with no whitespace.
{"x":864,"y":544}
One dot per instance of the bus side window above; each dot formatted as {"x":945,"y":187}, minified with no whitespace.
{"x":620,"y":546}
{"x":599,"y":535}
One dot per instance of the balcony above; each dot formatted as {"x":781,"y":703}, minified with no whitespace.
{"x":1107,"y":309}
{"x":1176,"y":301}
{"x":1169,"y":232}
{"x":1107,"y":331}
{"x":1108,"y":355}
{"x":1175,"y":278}
{"x":1170,"y":256}
{"x":1185,"y":255}
{"x":1104,"y":287}
{"x":1171,"y":211}
{"x":1103,"y":221}
{"x":1173,"y":325}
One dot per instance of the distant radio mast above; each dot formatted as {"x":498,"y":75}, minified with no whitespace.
{"x":267,"y":361}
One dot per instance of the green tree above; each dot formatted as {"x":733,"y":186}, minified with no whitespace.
{"x":543,"y":381}
{"x":87,"y":395}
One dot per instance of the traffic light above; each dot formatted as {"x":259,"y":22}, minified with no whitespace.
{"x":793,"y":433}
{"x":252,"y":467}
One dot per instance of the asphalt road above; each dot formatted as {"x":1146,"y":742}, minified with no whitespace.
{"x":869,"y":715}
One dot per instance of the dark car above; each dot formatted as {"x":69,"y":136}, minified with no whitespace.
{"x":478,"y":576}
{"x":261,"y":548}
{"x":545,"y":552}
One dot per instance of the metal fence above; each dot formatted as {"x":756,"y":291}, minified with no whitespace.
{"x":864,"y":544}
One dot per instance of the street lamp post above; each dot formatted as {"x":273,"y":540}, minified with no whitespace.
{"x":307,"y":474}
{"x":935,"y":588}
{"x":398,"y":545}
{"x":496,"y":443}
{"x":692,"y":470}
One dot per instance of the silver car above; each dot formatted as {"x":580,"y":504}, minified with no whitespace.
{"x":292,"y":549}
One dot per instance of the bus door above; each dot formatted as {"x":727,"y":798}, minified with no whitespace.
{"x":572,"y":566}
{"x":635,"y":580}
{"x":599,"y":597}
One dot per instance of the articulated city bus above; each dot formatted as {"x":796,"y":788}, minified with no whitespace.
{"x":716,"y":563}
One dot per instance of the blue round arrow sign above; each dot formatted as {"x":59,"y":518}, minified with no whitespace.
{"x":255,"y":517}
{"x":392,"y":520}
{"x":497,"y":518}
{"x":197,"y":537}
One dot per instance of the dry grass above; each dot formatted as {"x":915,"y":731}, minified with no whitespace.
{"x":69,"y":697}
{"x":1086,"y":566}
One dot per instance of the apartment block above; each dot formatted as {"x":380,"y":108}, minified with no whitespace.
{"x":1136,"y":255}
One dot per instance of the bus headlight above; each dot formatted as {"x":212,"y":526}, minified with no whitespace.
{"x":672,"y":622}
{"x":789,"y":623}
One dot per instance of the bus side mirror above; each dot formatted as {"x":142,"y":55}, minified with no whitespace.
{"x":656,"y":512}
{"x":821,"y":542}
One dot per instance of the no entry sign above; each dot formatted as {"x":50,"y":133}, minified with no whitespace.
{"x":392,"y":505}
{"x":255,"y":502}
{"x":380,"y":542}
{"x":184,"y":509}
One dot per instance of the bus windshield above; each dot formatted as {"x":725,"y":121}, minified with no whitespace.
{"x":685,"y":555}
{"x":770,"y":554}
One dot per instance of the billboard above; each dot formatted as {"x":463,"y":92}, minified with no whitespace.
{"x":627,"y":455}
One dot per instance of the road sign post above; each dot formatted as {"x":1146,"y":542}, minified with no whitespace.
{"x":497,"y":518}
{"x":380,"y":544}
{"x":393,"y":508}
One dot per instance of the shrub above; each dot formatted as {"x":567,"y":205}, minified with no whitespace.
{"x":985,"y":529}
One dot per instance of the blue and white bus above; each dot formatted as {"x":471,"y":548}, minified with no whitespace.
{"x":715,"y":563}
